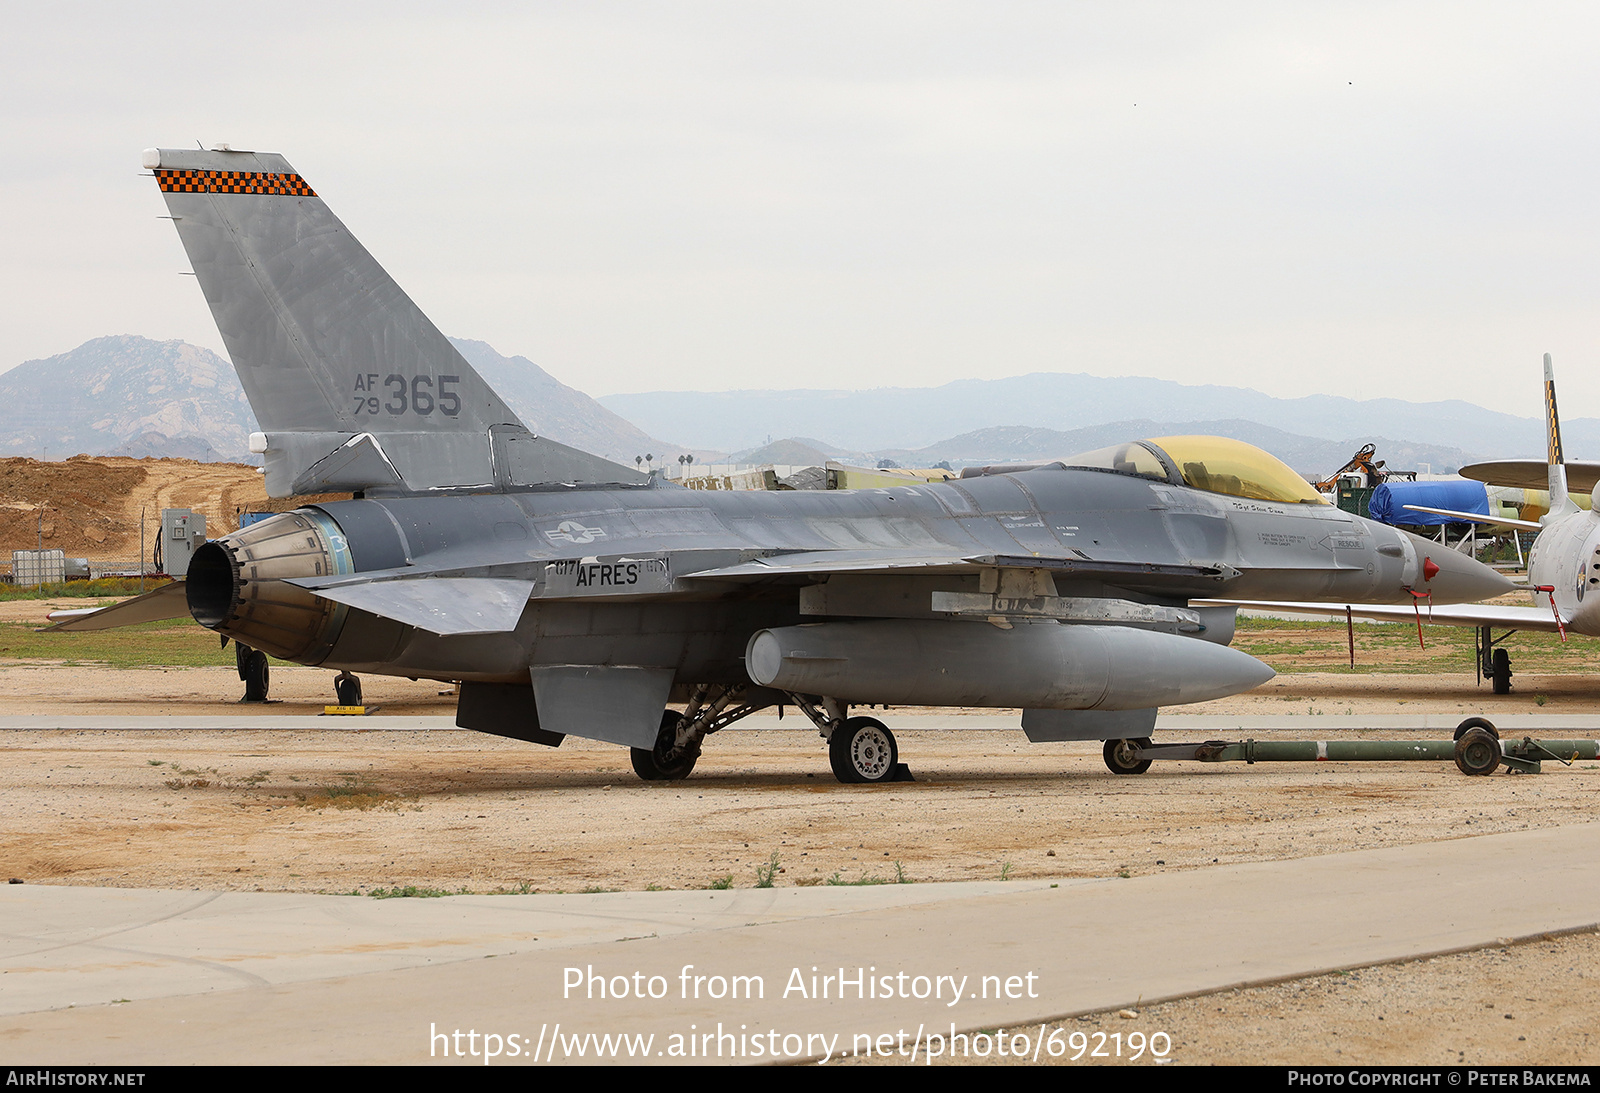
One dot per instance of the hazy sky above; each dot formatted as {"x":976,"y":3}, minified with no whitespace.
{"x":1371,"y":199}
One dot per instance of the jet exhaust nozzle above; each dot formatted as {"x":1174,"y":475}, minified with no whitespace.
{"x":236,"y":585}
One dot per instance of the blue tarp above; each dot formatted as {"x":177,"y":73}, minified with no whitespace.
{"x":1389,"y":499}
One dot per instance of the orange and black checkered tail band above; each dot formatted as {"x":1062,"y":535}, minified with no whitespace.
{"x":232,"y":182}
{"x":1552,"y":422}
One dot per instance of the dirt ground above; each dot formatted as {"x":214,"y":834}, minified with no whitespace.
{"x":90,"y":506}
{"x":372,"y":808}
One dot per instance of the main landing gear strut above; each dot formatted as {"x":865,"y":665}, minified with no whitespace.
{"x":711,"y":707}
{"x":860,"y":749}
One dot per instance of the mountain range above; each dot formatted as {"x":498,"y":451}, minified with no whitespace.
{"x":127,"y":395}
{"x":915,"y":418}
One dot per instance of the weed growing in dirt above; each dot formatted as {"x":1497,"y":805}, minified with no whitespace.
{"x":863,"y":881}
{"x":410,"y":891}
{"x":766,"y":873}
{"x":355,"y":793}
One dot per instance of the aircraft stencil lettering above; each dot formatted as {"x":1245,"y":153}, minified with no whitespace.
{"x":419,"y":396}
{"x":600,"y":576}
{"x":713,"y":604}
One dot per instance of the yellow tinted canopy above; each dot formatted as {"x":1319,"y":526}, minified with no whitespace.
{"x":1218,"y":464}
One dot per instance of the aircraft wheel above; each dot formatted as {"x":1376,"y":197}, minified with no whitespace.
{"x":348,"y":689}
{"x":1500,"y":672}
{"x":256,"y":676}
{"x":1121,"y":755}
{"x":862,"y":750}
{"x":647,"y":762}
{"x":1477,"y":723}
{"x":1477,"y":752}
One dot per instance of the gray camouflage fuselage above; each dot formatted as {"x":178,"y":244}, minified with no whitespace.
{"x":612,"y":573}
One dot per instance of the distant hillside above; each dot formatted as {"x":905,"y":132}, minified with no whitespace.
{"x":125,"y":392}
{"x":913,"y":418}
{"x":551,"y":408}
{"x":797,"y":451}
{"x":127,"y":395}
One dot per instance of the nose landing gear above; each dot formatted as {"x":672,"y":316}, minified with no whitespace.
{"x":1494,"y":664}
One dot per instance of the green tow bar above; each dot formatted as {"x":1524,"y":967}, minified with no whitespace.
{"x":1476,"y":749}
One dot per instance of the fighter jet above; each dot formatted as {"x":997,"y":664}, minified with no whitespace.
{"x":572,"y":596}
{"x":1563,"y":566}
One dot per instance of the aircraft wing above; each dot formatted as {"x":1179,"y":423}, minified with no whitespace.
{"x":170,"y":601}
{"x":826,"y":562}
{"x":1531,"y":474}
{"x":1478,"y":518}
{"x":1463,"y":614}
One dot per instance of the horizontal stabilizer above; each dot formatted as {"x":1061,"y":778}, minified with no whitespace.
{"x":440,"y":605}
{"x":170,"y":601}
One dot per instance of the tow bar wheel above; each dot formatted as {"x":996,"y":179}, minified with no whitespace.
{"x":1477,"y":752}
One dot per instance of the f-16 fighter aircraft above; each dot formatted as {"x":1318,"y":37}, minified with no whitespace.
{"x":569,"y":595}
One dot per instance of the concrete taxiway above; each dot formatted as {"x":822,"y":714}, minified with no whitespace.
{"x":1549,"y":724}
{"x":736,"y":976}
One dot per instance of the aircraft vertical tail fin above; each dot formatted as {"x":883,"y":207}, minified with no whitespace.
{"x":353,"y":386}
{"x":1560,"y":503}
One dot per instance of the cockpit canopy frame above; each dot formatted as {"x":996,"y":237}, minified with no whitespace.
{"x":1215,"y":464}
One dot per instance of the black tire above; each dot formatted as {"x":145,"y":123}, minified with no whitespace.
{"x":1119,"y":756}
{"x":1477,"y":723}
{"x":1500,"y":671}
{"x":647,"y":763}
{"x":257,"y":678}
{"x":1477,"y":753}
{"x":863,"y":751}
{"x":348,"y":689}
